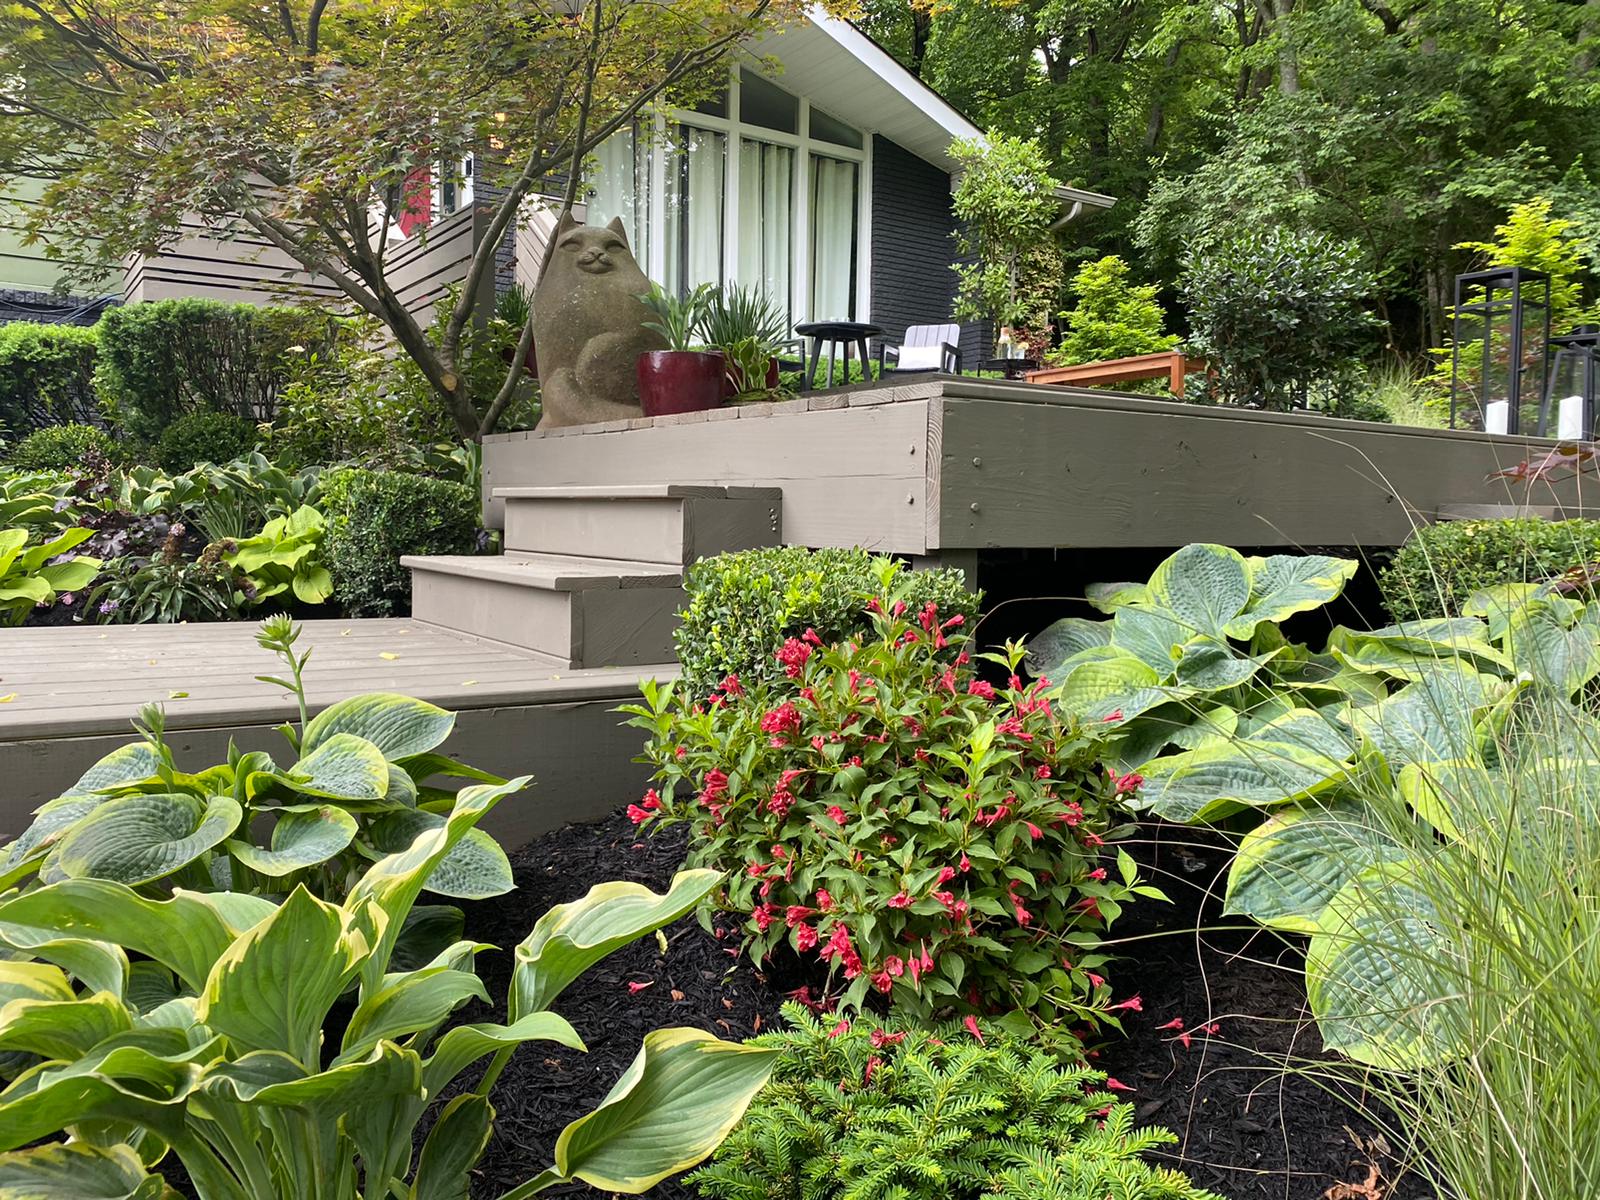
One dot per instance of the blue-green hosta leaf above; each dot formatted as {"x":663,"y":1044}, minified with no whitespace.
{"x":135,"y":839}
{"x":1054,"y":645}
{"x":672,"y":1108}
{"x":406,"y":1003}
{"x":62,"y":1029}
{"x":400,"y":726}
{"x":427,"y":931}
{"x":1413,"y":648}
{"x":463,"y":1045}
{"x":1155,"y":638}
{"x":423,"y":767}
{"x":1432,"y":718}
{"x":1183,"y":725}
{"x":1501,"y":604}
{"x":1289,"y":868}
{"x":1203,"y":587}
{"x":1556,"y":651}
{"x":303,"y":837}
{"x":1285,"y":584}
{"x":79,"y":1171}
{"x":1214,"y":667}
{"x":150,"y":985}
{"x":271,"y":988}
{"x":1099,"y":691}
{"x":133,"y":763}
{"x":187,"y":932}
{"x":1539,"y":805}
{"x":570,"y":938}
{"x":1108,"y":597}
{"x":343,"y":767}
{"x":475,"y":869}
{"x":1381,"y":974}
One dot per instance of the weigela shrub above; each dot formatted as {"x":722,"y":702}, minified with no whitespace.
{"x":931,"y":838}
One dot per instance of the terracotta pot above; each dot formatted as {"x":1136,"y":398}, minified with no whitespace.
{"x":680,"y":381}
{"x":730,"y":389}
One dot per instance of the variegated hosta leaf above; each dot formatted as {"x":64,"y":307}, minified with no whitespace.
{"x":1155,"y":638}
{"x":1380,"y":975}
{"x":1289,"y":868}
{"x":1414,"y":648}
{"x":1108,"y":597}
{"x":1100,"y":691}
{"x":79,"y":1171}
{"x":454,"y":1145}
{"x":463,"y":1045}
{"x":475,"y":869}
{"x":407,"y":1003}
{"x":1203,"y":586}
{"x":303,"y":836}
{"x":343,"y":767}
{"x":570,"y":938}
{"x":400,"y":726}
{"x":63,"y":1029}
{"x":1214,"y":667}
{"x":268,"y":1077}
{"x":1498,"y":605}
{"x":99,"y":966}
{"x":1286,"y":584}
{"x":1545,"y":803}
{"x":1180,"y":725}
{"x":672,"y":1108}
{"x":1432,"y":718}
{"x":135,"y":839}
{"x":1054,"y":645}
{"x":1557,"y":652}
{"x":133,"y":763}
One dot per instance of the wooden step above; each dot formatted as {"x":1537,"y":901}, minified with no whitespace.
{"x":653,"y":523}
{"x":575,"y":612}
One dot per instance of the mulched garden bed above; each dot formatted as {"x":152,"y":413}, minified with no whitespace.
{"x":1247,"y":1130}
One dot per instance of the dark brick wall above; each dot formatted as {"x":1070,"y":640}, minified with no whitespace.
{"x":50,"y":309}
{"x":913,"y":246}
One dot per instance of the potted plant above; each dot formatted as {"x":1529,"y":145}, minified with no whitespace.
{"x":683,"y":377}
{"x":513,"y":307}
{"x":749,"y":329}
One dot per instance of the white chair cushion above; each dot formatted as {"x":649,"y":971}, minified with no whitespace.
{"x":921,"y":358}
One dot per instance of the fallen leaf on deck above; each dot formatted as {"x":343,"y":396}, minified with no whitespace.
{"x":469,"y":683}
{"x":388,"y":654}
{"x":8,"y":698}
{"x":177,"y":695}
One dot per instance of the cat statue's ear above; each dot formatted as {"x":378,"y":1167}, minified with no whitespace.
{"x":566,"y":222}
{"x":616,"y":226}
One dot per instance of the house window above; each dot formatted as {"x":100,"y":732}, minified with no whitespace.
{"x":455,"y":187}
{"x":772,"y":195}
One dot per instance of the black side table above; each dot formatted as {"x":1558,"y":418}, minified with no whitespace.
{"x":1011,"y":368}
{"x":837,"y":333}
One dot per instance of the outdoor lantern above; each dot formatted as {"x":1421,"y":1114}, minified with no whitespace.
{"x":1574,"y":382}
{"x":1502,"y":344}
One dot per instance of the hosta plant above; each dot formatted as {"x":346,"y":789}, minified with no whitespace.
{"x":355,"y":789}
{"x":284,"y":559}
{"x":930,"y":838}
{"x":859,"y":1109}
{"x":34,"y":575}
{"x":197,"y":1028}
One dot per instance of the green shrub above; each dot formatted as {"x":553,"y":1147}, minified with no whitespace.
{"x":163,"y":359}
{"x":204,"y":437}
{"x":1441,"y":566}
{"x":741,"y":607}
{"x":855,"y":1109}
{"x":1114,"y":317}
{"x":376,"y":516}
{"x":62,"y":447}
{"x":46,"y":376}
{"x":1279,"y":316}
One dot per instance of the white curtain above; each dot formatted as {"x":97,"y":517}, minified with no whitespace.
{"x":620,"y":186}
{"x":833,"y":239}
{"x":694,"y":210}
{"x":766,"y":219}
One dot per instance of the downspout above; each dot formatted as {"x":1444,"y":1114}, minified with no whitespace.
{"x":1070,"y":215}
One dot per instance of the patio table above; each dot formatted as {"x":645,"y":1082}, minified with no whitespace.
{"x":845,"y":333}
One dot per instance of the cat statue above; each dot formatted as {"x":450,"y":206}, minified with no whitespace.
{"x":588,"y":326}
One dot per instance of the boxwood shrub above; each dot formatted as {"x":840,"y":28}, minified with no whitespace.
{"x":1439,"y":569}
{"x":46,"y":376}
{"x":59,"y":447}
{"x":204,"y":437}
{"x":743,"y":605}
{"x":374,"y":517}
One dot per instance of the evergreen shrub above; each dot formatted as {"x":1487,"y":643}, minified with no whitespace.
{"x":46,"y":376}
{"x":204,"y":437}
{"x":1441,"y":566}
{"x":374,"y":517}
{"x":62,"y":447}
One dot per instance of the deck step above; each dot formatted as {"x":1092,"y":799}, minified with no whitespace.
{"x":578,"y":612}
{"x":670,"y":524}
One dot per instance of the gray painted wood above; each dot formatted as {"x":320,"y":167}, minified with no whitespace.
{"x":669,"y":525}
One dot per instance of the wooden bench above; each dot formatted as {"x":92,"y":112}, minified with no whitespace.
{"x":1173,"y":364}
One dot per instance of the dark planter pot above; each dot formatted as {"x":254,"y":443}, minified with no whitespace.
{"x":530,"y":362}
{"x":731,"y":387}
{"x":680,"y":381}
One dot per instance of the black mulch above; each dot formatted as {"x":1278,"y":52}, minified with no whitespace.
{"x":1249,"y":1131}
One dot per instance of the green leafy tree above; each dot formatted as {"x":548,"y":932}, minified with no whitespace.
{"x":306,"y":124}
{"x":1114,"y":317}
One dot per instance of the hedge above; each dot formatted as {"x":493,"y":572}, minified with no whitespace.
{"x":376,"y":516}
{"x":1442,"y":565}
{"x":46,"y":377}
{"x":62,"y":448}
{"x":741,"y":606}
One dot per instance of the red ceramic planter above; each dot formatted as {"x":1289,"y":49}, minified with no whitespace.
{"x":680,"y":381}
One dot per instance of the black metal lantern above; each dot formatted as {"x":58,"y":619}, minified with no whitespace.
{"x":1501,"y":330}
{"x":1569,"y":396}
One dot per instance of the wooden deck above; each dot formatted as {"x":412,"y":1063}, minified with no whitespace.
{"x":68,"y":695}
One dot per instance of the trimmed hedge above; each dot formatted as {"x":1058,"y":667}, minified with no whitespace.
{"x":166,"y":358}
{"x":46,"y":377}
{"x":376,"y":516}
{"x":744,"y":604}
{"x":1441,"y":566}
{"x":199,"y":437}
{"x":63,"y":447}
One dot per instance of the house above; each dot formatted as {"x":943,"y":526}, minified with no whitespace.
{"x":827,"y":184}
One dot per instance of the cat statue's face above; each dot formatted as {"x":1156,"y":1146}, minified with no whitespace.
{"x":593,"y":249}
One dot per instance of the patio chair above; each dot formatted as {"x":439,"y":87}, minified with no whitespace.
{"x":924,"y":348}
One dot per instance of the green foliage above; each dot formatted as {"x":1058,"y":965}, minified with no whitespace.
{"x":899,"y":1112}
{"x":63,"y":447}
{"x":37,"y":499}
{"x":1114,"y":317}
{"x":678,"y":318}
{"x":374,"y":517}
{"x":742,"y":606}
{"x":46,"y":376}
{"x":29,"y":578}
{"x":1007,"y":270}
{"x":204,"y":437}
{"x":1442,"y":566}
{"x":749,"y":328}
{"x":163,"y":359}
{"x":285,"y":557}
{"x":166,"y":587}
{"x":226,"y":1043}
{"x":924,"y":835}
{"x":1279,"y":317}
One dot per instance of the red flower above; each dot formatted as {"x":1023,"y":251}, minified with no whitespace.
{"x":946,"y":874}
{"x":842,"y":1027}
{"x":805,"y":937}
{"x":1116,"y":716}
{"x":796,"y":914}
{"x":1121,"y":784}
{"x":810,"y":635}
{"x":873,"y":1064}
{"x":972,"y":1027}
{"x":636,"y":988}
{"x":824,"y":900}
{"x":793,"y":655}
{"x":715,"y":787}
{"x":1034,"y":832}
{"x":882,"y":1038}
{"x":900,"y":900}
{"x":981,"y":687}
{"x":781,"y":721}
{"x":637,"y":815}
{"x":1042,"y":771}
{"x":966,"y":863}
{"x":838,"y":814}
{"x":1115,"y":1085}
{"x":1095,"y":980}
{"x":731,"y":685}
{"x":883,"y":983}
{"x":1132,"y":1004}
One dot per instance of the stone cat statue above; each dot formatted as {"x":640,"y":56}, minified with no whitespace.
{"x":588,"y":326}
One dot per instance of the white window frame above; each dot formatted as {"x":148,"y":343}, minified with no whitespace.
{"x":736,"y":130}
